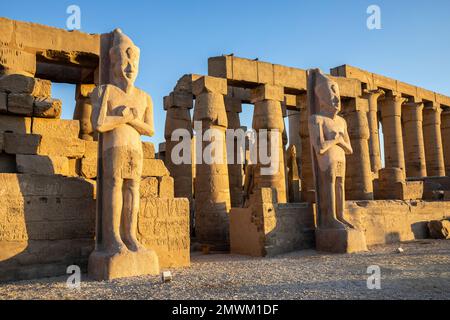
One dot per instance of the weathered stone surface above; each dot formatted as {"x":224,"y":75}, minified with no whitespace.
{"x":7,"y":163}
{"x":267,"y":92}
{"x":16,"y":143}
{"x":15,"y":124}
{"x":166,"y":187}
{"x":209,"y":84}
{"x":21,"y":104}
{"x":439,"y":229}
{"x":148,"y":150}
{"x":91,"y":149}
{"x":88,"y":168}
{"x":267,"y":229}
{"x":154,"y":168}
{"x":56,"y":128}
{"x":178,"y":99}
{"x":20,"y":84}
{"x":3,"y":102}
{"x":15,"y":61}
{"x":61,"y":146}
{"x":149,"y":187}
{"x":47,"y":108}
{"x":340,"y":240}
{"x":33,"y":164}
{"x":163,"y":225}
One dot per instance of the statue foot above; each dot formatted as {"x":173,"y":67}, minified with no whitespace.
{"x":116,"y":247}
{"x":133,"y":245}
{"x":334,"y":224}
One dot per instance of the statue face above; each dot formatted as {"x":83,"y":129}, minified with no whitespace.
{"x":330,"y":99}
{"x":126,"y":66}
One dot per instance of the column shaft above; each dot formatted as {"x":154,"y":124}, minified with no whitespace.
{"x":392,"y":130}
{"x":359,"y":177}
{"x":374,"y":140}
{"x":433,"y":140}
{"x":412,"y":118}
{"x":445,"y":132}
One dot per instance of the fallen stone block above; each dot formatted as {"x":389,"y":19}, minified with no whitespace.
{"x":7,"y":163}
{"x":17,"y":143}
{"x":21,"y":104}
{"x":88,"y":168}
{"x":439,"y":229}
{"x":3,"y":102}
{"x":56,"y":127}
{"x":20,"y":84}
{"x":154,"y":168}
{"x":47,"y":108}
{"x":166,"y":187}
{"x":46,"y":165}
{"x":15,"y":124}
{"x":148,"y":150}
{"x":63,"y":147}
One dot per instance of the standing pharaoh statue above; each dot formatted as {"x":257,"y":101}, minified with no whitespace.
{"x":121,"y":114}
{"x":330,"y":144}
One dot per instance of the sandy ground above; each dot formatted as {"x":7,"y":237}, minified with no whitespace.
{"x":422,"y":271}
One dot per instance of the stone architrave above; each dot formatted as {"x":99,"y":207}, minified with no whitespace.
{"x":330,"y":144}
{"x":121,"y":114}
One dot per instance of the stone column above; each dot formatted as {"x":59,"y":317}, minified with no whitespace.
{"x":294,"y":132}
{"x":445,"y":132}
{"x":412,"y":118}
{"x":212,"y":188}
{"x":83,"y":110}
{"x":233,"y":107}
{"x":306,"y":171}
{"x":268,"y":116}
{"x":433,"y":140}
{"x":391,"y":109}
{"x":372,"y":119}
{"x":177,"y":106}
{"x":359,"y":177}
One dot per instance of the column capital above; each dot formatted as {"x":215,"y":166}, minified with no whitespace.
{"x":267,"y":92}
{"x":394,"y":96}
{"x":374,"y":94}
{"x":207,"y":84}
{"x":432,"y":114}
{"x":178,"y":99}
{"x":412,"y":111}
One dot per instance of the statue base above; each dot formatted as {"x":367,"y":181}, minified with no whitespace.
{"x":105,"y":266}
{"x":347,"y":240}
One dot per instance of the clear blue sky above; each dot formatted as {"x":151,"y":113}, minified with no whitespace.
{"x":177,"y":37}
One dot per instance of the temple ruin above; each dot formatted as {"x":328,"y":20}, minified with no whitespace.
{"x":48,"y":166}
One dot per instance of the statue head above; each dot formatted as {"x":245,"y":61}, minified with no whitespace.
{"x":327,"y":94}
{"x":124,"y":56}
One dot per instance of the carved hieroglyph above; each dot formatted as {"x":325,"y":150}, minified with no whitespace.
{"x":330,"y":144}
{"x":121,"y":114}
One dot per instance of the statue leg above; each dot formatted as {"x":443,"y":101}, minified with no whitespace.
{"x":340,"y":201}
{"x":328,"y":202}
{"x":112,"y":212}
{"x":131,"y":199}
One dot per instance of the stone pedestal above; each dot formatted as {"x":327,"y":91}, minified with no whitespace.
{"x":445,"y":131}
{"x":433,"y":140}
{"x":391,"y":107}
{"x":235,"y":170}
{"x":306,"y":171}
{"x":340,"y":240}
{"x":358,"y":184}
{"x":212,"y":189}
{"x":104,"y":266}
{"x":413,"y":140}
{"x":372,"y":119}
{"x":268,"y":116}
